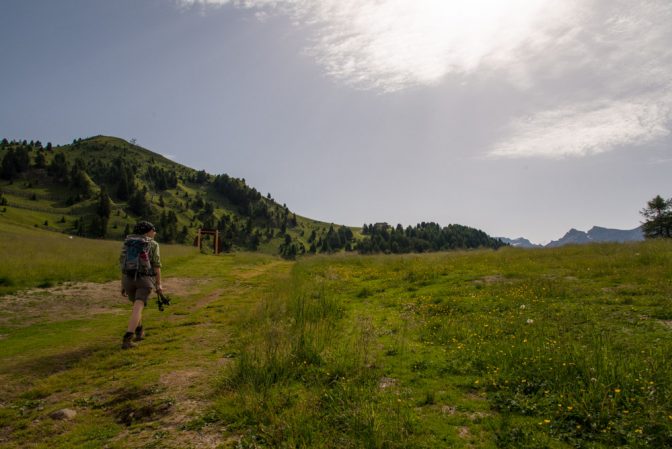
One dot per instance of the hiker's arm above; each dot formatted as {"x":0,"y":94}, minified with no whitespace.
{"x":157,"y":275}
{"x":155,"y":261}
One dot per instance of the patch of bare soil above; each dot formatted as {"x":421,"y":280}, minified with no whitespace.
{"x":179,"y":381}
{"x":253,"y":272}
{"x":73,"y":300}
{"x":463,"y":432}
{"x":386,"y":382}
{"x":487,"y":280}
{"x":207,"y":299}
{"x":173,"y":421}
{"x":477,"y":416}
{"x":619,"y":288}
{"x":667,"y":323}
{"x":169,"y":411}
{"x":448,"y":409}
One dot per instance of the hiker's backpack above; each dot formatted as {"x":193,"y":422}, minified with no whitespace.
{"x":135,"y":256}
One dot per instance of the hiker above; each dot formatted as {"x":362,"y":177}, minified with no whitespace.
{"x":141,"y":271}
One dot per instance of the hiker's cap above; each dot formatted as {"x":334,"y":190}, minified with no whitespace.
{"x":143,"y":227}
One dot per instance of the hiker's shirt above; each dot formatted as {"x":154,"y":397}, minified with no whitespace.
{"x":154,"y":254}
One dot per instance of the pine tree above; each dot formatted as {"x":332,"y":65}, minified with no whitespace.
{"x":8,"y":168}
{"x":104,"y":204}
{"x":123,"y":188}
{"x":80,"y":227}
{"x":40,"y":160}
{"x":58,"y":168}
{"x":104,"y":210}
{"x":139,"y":204}
{"x":183,"y":236}
{"x":658,"y":218}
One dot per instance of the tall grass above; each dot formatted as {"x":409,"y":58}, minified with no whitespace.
{"x":304,"y":377}
{"x":568,"y":346}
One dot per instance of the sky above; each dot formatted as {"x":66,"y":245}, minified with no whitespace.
{"x":522,"y":118}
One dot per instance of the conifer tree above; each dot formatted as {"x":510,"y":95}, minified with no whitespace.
{"x":104,"y":210}
{"x":658,"y":218}
{"x":139,"y":204}
{"x":58,"y":168}
{"x":123,"y":188}
{"x":8,"y":167}
{"x":40,"y":160}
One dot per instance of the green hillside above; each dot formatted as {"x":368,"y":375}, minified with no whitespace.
{"x":98,"y":187}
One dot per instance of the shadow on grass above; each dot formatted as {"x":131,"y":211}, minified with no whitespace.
{"x":50,"y":364}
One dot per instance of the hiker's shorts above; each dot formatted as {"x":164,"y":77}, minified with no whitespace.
{"x":137,"y":289}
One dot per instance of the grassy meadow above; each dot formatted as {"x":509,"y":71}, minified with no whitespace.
{"x":34,"y":258}
{"x":549,"y":348}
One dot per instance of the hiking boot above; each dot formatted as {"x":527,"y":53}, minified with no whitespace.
{"x":127,"y":343}
{"x":139,"y":334}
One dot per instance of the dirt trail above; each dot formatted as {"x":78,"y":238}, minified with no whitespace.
{"x":74,"y":300}
{"x":186,"y":349}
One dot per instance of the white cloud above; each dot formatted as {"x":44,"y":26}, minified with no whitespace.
{"x":622,"y":94}
{"x":584,"y":129}
{"x":203,"y":2}
{"x":391,"y":45}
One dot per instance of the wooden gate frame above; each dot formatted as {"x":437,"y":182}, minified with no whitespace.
{"x":202,"y":232}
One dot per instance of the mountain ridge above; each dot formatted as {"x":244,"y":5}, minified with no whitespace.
{"x":519,"y":242}
{"x":574,"y":236}
{"x":598,"y":234}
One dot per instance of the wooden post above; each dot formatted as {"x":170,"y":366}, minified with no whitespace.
{"x":202,"y":232}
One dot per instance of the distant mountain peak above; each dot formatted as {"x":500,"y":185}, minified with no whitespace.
{"x":598,"y":234}
{"x":577,"y":237}
{"x":520,"y":242}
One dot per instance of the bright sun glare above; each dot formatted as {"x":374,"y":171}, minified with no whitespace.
{"x":392,"y":44}
{"x":407,"y":42}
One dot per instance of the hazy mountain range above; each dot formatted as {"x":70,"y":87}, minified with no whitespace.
{"x":576,"y":237}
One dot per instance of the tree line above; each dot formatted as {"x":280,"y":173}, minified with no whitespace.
{"x":424,"y":237}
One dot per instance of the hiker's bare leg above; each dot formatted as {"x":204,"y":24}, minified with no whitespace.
{"x":136,"y":315}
